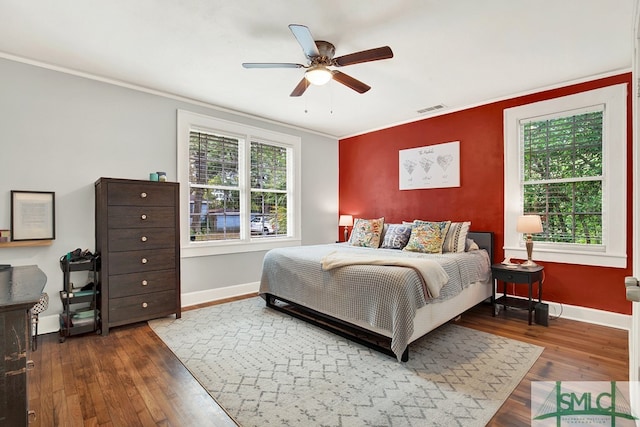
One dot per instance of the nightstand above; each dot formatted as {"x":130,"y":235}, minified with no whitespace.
{"x":516,"y":275}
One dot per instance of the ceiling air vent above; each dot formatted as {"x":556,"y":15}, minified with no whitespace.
{"x":432,"y":108}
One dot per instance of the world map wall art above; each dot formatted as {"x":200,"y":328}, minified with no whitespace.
{"x":433,"y":166}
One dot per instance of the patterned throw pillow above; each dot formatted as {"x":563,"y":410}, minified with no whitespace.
{"x":367,"y":232}
{"x":427,"y":236}
{"x":396,"y":236}
{"x":456,"y":237}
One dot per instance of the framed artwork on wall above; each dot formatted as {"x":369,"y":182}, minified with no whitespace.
{"x":432,"y":166}
{"x":32,"y":215}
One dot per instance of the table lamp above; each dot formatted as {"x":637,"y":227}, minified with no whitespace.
{"x":346,"y":221}
{"x":529,"y":224}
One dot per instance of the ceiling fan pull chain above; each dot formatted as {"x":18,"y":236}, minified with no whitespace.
{"x":330,"y":99}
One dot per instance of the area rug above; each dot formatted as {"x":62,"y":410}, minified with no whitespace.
{"x":269,"y":369}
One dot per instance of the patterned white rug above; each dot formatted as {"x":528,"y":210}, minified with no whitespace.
{"x":267,"y":368}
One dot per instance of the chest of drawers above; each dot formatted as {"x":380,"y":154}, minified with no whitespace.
{"x":138,"y":238}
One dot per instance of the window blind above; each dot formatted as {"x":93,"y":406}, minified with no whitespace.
{"x":562,"y":179}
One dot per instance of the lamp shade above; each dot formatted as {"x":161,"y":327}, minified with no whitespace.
{"x":529,"y":224}
{"x":318,"y":75}
{"x":345,"y":221}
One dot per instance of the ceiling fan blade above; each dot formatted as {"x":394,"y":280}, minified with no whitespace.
{"x":271,"y":65}
{"x":350,"y":82}
{"x":376,"y":54}
{"x":301,"y":87}
{"x":304,"y":37}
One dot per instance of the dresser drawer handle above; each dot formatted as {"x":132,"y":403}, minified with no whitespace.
{"x":143,"y":217}
{"x":145,"y":305}
{"x":31,"y":415}
{"x":143,"y":238}
{"x":144,"y":260}
{"x":144,"y":283}
{"x":30,"y":365}
{"x":143,"y":195}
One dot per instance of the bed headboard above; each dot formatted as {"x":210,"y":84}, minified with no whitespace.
{"x":484,"y":239}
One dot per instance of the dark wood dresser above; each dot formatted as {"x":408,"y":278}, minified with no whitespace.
{"x":138,"y":239}
{"x":20,"y":290}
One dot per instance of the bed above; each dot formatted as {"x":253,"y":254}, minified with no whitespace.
{"x":385,"y":307}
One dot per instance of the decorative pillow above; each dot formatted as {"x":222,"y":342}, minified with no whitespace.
{"x":456,"y":237}
{"x":396,"y":236}
{"x":471,"y":245}
{"x":427,"y":236}
{"x":367,"y":232}
{"x":385,"y":227}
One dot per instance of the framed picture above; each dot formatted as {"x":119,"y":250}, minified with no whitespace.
{"x":433,"y":166}
{"x":33,"y":215}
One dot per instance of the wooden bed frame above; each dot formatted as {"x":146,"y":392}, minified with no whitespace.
{"x":357,"y":333}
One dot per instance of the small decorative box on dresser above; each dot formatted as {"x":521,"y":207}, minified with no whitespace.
{"x":138,"y":239}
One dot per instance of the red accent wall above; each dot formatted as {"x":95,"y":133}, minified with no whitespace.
{"x":368,"y":186}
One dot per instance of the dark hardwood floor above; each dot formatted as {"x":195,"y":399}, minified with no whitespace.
{"x":130,"y":378}
{"x":574,"y":351}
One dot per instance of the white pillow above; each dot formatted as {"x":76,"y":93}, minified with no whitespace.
{"x":471,"y":245}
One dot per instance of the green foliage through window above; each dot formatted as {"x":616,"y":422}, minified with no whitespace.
{"x":216,"y":194}
{"x":269,"y":188}
{"x":562,"y":176}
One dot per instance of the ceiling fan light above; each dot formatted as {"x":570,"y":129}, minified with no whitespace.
{"x":318,"y":75}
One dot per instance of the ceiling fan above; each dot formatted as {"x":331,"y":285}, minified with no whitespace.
{"x":319,"y":55}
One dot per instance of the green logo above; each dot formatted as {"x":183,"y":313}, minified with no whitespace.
{"x":581,"y":402}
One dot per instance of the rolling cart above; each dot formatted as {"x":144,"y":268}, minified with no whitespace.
{"x":80,"y":313}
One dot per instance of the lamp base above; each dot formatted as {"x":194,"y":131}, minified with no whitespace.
{"x":528,"y":263}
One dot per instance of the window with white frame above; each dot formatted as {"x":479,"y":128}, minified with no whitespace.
{"x":240,"y":186}
{"x":565,"y":160}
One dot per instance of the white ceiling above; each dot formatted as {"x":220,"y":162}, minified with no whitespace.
{"x":453,"y":52}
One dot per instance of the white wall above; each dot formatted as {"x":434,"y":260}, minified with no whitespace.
{"x":60,"y":132}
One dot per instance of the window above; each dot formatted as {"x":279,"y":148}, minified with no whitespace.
{"x":565,"y":160}
{"x":268,"y":189}
{"x":239,"y":186}
{"x":562,"y":176}
{"x":214,"y":187}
